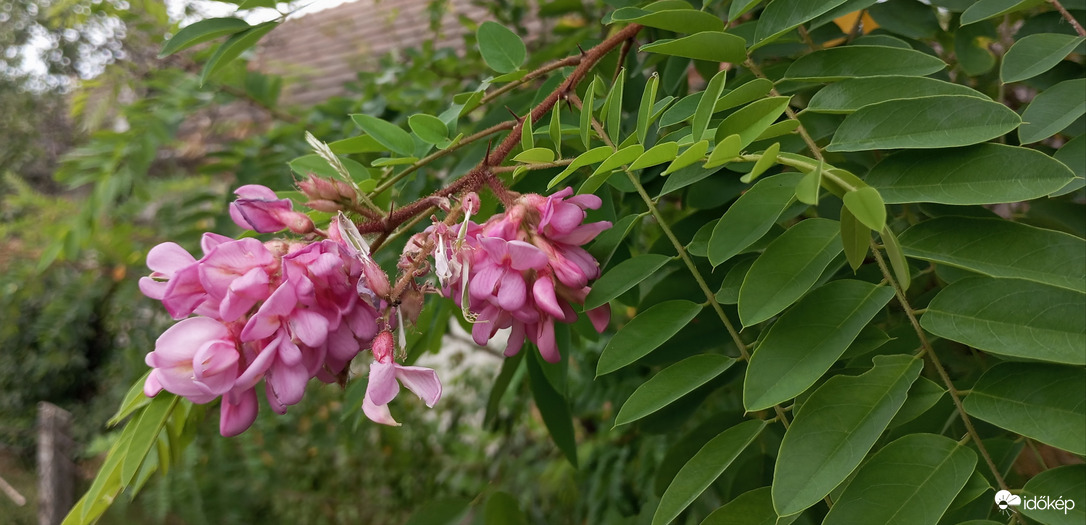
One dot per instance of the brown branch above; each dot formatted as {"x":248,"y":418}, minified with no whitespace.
{"x":1067,"y":16}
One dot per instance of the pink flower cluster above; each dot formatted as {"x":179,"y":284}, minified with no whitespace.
{"x":526,"y":268}
{"x":282,"y":312}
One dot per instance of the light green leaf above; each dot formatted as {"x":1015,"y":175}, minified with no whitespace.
{"x":810,"y":186}
{"x":866,"y":205}
{"x":768,"y":159}
{"x":553,"y":407}
{"x":910,"y":481}
{"x":1035,"y":54}
{"x":587,"y":158}
{"x":360,"y":144}
{"x":586,"y":113}
{"x":555,"y":129}
{"x":788,"y":267}
{"x":751,"y":216}
{"x":839,"y":63}
{"x":748,"y":92}
{"x":727,"y":149}
{"x":645,"y":333}
{"x":428,"y":128}
{"x":535,"y":155}
{"x":703,"y":469}
{"x":675,"y":20}
{"x":704,"y":110}
{"x":389,"y":135}
{"x":778,"y":129}
{"x":856,"y":239}
{"x":981,"y":174}
{"x":527,"y":134}
{"x":1039,"y":401}
{"x":619,"y":158}
{"x":1011,"y":317}
{"x":753,"y":507}
{"x":827,"y":321}
{"x":317,"y":165}
{"x":671,"y":384}
{"x":837,"y":427}
{"x":233,"y":48}
{"x":202,"y":31}
{"x":781,"y":17}
{"x":1061,"y":483}
{"x":133,"y":400}
{"x":1052,"y":110}
{"x":393,"y":161}
{"x":985,"y":9}
{"x":752,"y":120}
{"x":708,"y":45}
{"x":1000,"y":248}
{"x":501,"y":48}
{"x":896,"y":255}
{"x":502,"y":509}
{"x":658,"y":154}
{"x":852,"y":94}
{"x":644,"y":111}
{"x":622,"y":277}
{"x":150,"y":423}
{"x":943,"y":121}
{"x":693,"y":154}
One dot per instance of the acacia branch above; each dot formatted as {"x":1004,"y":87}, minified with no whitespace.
{"x":1067,"y":16}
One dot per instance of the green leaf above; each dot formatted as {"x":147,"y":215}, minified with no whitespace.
{"x":780,"y":17}
{"x":752,"y":120}
{"x":592,"y":156}
{"x":739,"y":7}
{"x":150,"y":423}
{"x":753,"y":507}
{"x":389,"y":135}
{"x":1073,"y":155}
{"x":837,"y":427}
{"x":1052,"y":110}
{"x":788,"y":267}
{"x":943,"y":121}
{"x":751,"y":216}
{"x":645,"y":333}
{"x":510,"y":365}
{"x":912,"y":480}
{"x":852,"y":94}
{"x":981,"y":174}
{"x":360,"y":144}
{"x":1039,"y":401}
{"x":985,"y":9}
{"x":727,"y":149}
{"x":922,"y":396}
{"x":712,"y":46}
{"x":1035,"y":54}
{"x":856,"y":239}
{"x":1061,"y":483}
{"x":675,"y":20}
{"x":644,"y":111}
{"x":897,"y":259}
{"x":839,"y":63}
{"x":553,"y":407}
{"x":827,"y":321}
{"x":535,"y":155}
{"x":704,"y":468}
{"x":555,"y":129}
{"x":704,"y":110}
{"x":971,"y":48}
{"x":233,"y":48}
{"x":202,"y":31}
{"x":608,"y":241}
{"x":501,"y":48}
{"x":747,"y":92}
{"x":1000,"y":248}
{"x":810,"y":186}
{"x":446,"y":511}
{"x":658,"y":154}
{"x":612,"y":107}
{"x":622,"y":277}
{"x":693,"y":154}
{"x":317,"y":165}
{"x":767,"y":160}
{"x":866,"y":205}
{"x":586,"y":113}
{"x":133,"y":400}
{"x":1011,"y":317}
{"x":908,"y":18}
{"x":671,"y":384}
{"x":392,"y":161}
{"x":502,"y":509}
{"x":619,"y":158}
{"x":428,"y":128}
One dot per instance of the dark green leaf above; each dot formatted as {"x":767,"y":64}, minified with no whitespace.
{"x":1052,"y":110}
{"x":703,"y":469}
{"x":671,"y":384}
{"x":751,"y":216}
{"x":428,"y":128}
{"x":837,"y":427}
{"x":922,"y":396}
{"x":502,"y":509}
{"x":839,"y":63}
{"x":912,"y":480}
{"x":1035,"y":54}
{"x":233,"y":48}
{"x":781,"y":17}
{"x":826,"y":321}
{"x":586,"y":113}
{"x":852,"y":94}
{"x":608,"y":241}
{"x":971,"y":48}
{"x":943,"y":121}
{"x":1000,"y":248}
{"x":676,"y":20}
{"x":510,"y":365}
{"x":501,"y":48}
{"x":622,"y":277}
{"x":985,"y":9}
{"x":389,"y":135}
{"x":612,"y":108}
{"x":644,"y":111}
{"x":553,"y":407}
{"x":704,"y":110}
{"x":908,"y":18}
{"x":1064,"y":484}
{"x":202,"y":31}
{"x":1039,"y":401}
{"x":856,"y":239}
{"x":707,"y":45}
{"x":448,"y":511}
{"x":150,"y":423}
{"x":645,"y":333}
{"x":754,"y":507}
{"x":133,"y":400}
{"x":896,"y":255}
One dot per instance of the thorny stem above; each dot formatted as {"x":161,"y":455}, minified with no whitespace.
{"x":1067,"y":16}
{"x":927,"y":350}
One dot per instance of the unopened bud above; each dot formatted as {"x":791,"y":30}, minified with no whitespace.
{"x":324,"y":205}
{"x":470,"y":203}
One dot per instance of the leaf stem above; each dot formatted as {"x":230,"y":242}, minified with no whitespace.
{"x":568,"y":61}
{"x":535,"y":166}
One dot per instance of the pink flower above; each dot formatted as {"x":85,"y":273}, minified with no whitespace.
{"x":196,"y":358}
{"x":258,"y":208}
{"x":386,"y":376}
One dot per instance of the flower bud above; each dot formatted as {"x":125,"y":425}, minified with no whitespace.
{"x":326,"y":206}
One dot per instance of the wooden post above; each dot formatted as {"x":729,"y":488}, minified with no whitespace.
{"x":55,"y":469}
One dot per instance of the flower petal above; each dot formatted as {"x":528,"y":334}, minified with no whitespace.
{"x":422,"y":381}
{"x":524,"y":256}
{"x":236,"y":418}
{"x":513,"y":292}
{"x":378,"y":413}
{"x":382,"y":386}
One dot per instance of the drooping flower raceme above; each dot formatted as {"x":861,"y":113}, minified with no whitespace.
{"x":525,"y":269}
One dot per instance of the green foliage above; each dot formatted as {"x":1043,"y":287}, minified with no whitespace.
{"x":758,"y":375}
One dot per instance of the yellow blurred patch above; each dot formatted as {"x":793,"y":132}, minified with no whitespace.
{"x":847,"y":22}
